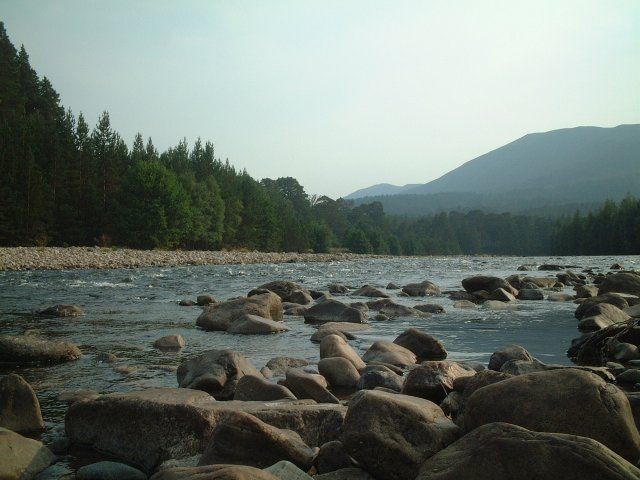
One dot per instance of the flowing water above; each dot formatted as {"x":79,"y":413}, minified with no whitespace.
{"x":126,"y":310}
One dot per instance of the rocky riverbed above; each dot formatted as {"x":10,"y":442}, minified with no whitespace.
{"x":322,"y":378}
{"x":67,"y":258}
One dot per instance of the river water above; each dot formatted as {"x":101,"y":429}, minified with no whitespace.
{"x":126,"y":310}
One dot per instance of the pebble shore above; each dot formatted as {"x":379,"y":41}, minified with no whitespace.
{"x":68,"y":258}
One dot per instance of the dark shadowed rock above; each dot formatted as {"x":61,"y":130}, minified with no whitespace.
{"x":204,"y":300}
{"x":369,"y":291}
{"x":288,"y":291}
{"x":430,"y":308}
{"x":109,"y":471}
{"x":304,"y":385}
{"x":546,"y":402}
{"x":393,"y":310}
{"x":334,"y":311}
{"x":187,"y":303}
{"x":338,"y":289}
{"x":586,"y":291}
{"x":277,"y":366}
{"x":425,"y":346}
{"x":388,"y":352}
{"x":241,"y":438}
{"x":339,"y":372}
{"x":352,"y":473}
{"x":508,"y":452}
{"x":215,"y":372}
{"x":375,"y":376}
{"x":331,"y":457}
{"x":392,"y":286}
{"x":29,"y":349}
{"x":219,"y":316}
{"x":61,"y":311}
{"x":19,"y":406}
{"x":215,"y":472}
{"x":434,"y":380}
{"x":250,"y":387}
{"x":502,"y":295}
{"x":506,"y":353}
{"x":610,"y":298}
{"x":391,"y":435}
{"x":623,"y":282}
{"x":530,"y":294}
{"x":421,"y":289}
{"x":482,"y":282}
{"x":254,"y":325}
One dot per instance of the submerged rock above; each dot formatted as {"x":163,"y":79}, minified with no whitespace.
{"x":252,"y":324}
{"x":172,"y":342}
{"x":369,"y":291}
{"x":334,"y":311}
{"x":421,"y":289}
{"x":219,"y":316}
{"x":62,"y":311}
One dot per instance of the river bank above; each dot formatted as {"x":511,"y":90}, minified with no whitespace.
{"x":72,"y":258}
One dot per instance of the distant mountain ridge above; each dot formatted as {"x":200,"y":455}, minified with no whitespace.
{"x":582,"y":165}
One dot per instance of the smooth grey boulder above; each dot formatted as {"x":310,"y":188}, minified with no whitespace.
{"x":19,"y":405}
{"x":304,"y":385}
{"x":173,"y":342}
{"x":216,"y":372}
{"x":204,"y":300}
{"x":376,"y":376}
{"x":339,"y":372}
{"x":369,"y":291}
{"x":508,"y":452}
{"x":254,"y":325}
{"x":252,"y":388}
{"x":433,"y":380}
{"x":391,"y":435}
{"x":609,"y":298}
{"x":421,"y":289}
{"x":384,"y":351}
{"x":334,"y":311}
{"x":289,"y":291}
{"x":219,"y":316}
{"x":29,"y":349}
{"x":623,"y":282}
{"x":506,"y":353}
{"x":277,"y":366}
{"x":422,"y":344}
{"x":21,"y":457}
{"x":546,"y":402}
{"x":214,"y":472}
{"x":336,"y":346}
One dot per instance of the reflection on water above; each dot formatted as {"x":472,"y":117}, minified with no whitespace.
{"x":126,"y":310}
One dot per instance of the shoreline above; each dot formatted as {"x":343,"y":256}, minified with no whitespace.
{"x":101,"y":258}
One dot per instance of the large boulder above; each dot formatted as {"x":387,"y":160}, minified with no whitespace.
{"x":252,"y":324}
{"x":334,"y":311}
{"x":19,"y":406}
{"x":369,"y":291}
{"x":507,"y":353}
{"x":384,"y":351}
{"x":29,"y":349}
{"x":305,"y":385}
{"x":204,"y":300}
{"x":508,"y":452}
{"x":623,"y":282}
{"x":609,"y":298}
{"x":241,"y":438}
{"x":540,"y":282}
{"x":215,"y":472}
{"x":219,"y":316}
{"x":434,"y":380}
{"x":216,"y":372}
{"x":336,"y":346}
{"x":391,"y":435}
{"x":421,"y":289}
{"x":425,"y":346}
{"x":339,"y":372}
{"x":483,"y":282}
{"x":170,"y":343}
{"x":289,"y":291}
{"x":251,"y":387}
{"x":61,"y":311}
{"x":530,"y":294}
{"x":601,"y":315}
{"x":278,"y":366}
{"x":148,"y":427}
{"x":547,"y":402}
{"x":331,"y":457}
{"x":374,"y":376}
{"x":22,"y":458}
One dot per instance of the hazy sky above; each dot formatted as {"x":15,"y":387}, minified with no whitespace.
{"x":339,"y":94}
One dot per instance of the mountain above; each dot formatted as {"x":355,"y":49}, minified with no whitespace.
{"x":381,"y":189}
{"x":568,"y":167}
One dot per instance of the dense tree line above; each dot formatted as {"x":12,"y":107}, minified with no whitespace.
{"x":65,"y":183}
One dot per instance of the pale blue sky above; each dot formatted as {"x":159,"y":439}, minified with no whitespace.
{"x":339,"y":94}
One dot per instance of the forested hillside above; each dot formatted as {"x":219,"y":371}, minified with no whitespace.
{"x":67,"y":183}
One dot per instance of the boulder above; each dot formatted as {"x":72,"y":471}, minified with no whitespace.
{"x":22,"y":458}
{"x":297,"y":311}
{"x":607,"y":310}
{"x":369,"y":291}
{"x":331,"y":457}
{"x":609,"y":298}
{"x":546,"y":402}
{"x":622,"y":351}
{"x":540,"y":282}
{"x":187,"y":303}
{"x":506,"y":353}
{"x":530,"y":294}
{"x":77,"y":395}
{"x":241,"y":438}
{"x":19,"y":406}
{"x":430,"y":308}
{"x":423,"y":345}
{"x":381,"y":303}
{"x":215,"y":472}
{"x":216,"y":372}
{"x":339,"y":372}
{"x":586,"y":291}
{"x":392,"y":286}
{"x":204,"y":300}
{"x":363,"y":307}
{"x":288,"y":291}
{"x":434,"y":380}
{"x":304,"y":385}
{"x":254,"y":325}
{"x":502,"y":295}
{"x":381,"y":317}
{"x":29,"y":349}
{"x":172,"y":342}
{"x":147,"y":427}
{"x":560,"y":297}
{"x":630,"y":376}
{"x":421,"y":289}
{"x":623,"y":282}
{"x":109,"y":471}
{"x":388,"y":352}
{"x":333,"y":311}
{"x":551,"y":267}
{"x":337,"y":288}
{"x":61,"y":311}
{"x":320,"y":333}
{"x":376,"y":376}
{"x":393,"y":310}
{"x":633,"y":311}
{"x":508,"y":452}
{"x":336,"y":346}
{"x":285,"y":470}
{"x":219,"y":316}
{"x":391,"y":435}
{"x":483,"y":282}
{"x":352,"y":473}
{"x":277,"y":366}
{"x":250,"y":387}
{"x":463,"y":304}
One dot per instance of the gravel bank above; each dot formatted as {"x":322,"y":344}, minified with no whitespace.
{"x":60,"y":258}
